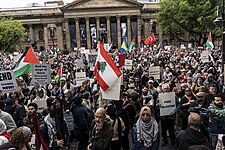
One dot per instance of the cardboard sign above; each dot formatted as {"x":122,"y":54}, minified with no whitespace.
{"x":41,"y":73}
{"x":205,"y":56}
{"x":41,"y":105}
{"x":114,"y":92}
{"x":8,"y":82}
{"x":92,"y":60}
{"x":167,"y":103}
{"x":155,"y":72}
{"x":128,"y":64}
{"x":80,"y":77}
{"x":69,"y":120}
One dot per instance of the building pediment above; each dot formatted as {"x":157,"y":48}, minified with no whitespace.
{"x":98,"y":4}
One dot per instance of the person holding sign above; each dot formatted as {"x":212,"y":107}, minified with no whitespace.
{"x":167,"y":121}
{"x":146,"y":131}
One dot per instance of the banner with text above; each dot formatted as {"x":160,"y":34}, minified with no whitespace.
{"x":205,"y":56}
{"x":8,"y":82}
{"x":41,"y":73}
{"x":167,"y":103}
{"x":128,"y":64}
{"x":155,"y":72}
{"x":80,"y":77}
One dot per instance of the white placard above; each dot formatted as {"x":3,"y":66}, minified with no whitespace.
{"x":41,"y":105}
{"x":80,"y":77}
{"x":114,"y":92}
{"x":205,"y":56}
{"x":189,"y":45}
{"x":8,"y":82}
{"x":155,"y":72}
{"x":167,"y":103}
{"x":41,"y":73}
{"x":128,"y":64}
{"x":69,"y":120}
{"x":219,"y":145}
{"x":80,"y":63}
{"x":92,"y":60}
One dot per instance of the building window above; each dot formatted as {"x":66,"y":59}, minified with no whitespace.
{"x":41,"y":35}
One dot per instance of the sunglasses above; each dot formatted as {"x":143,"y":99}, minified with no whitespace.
{"x":144,"y":114}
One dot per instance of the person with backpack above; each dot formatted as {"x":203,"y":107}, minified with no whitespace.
{"x":118,"y":128}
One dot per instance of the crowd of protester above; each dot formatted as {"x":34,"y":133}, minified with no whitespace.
{"x":133,"y":121}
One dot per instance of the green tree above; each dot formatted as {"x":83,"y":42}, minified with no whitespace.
{"x":193,"y":16}
{"x":12,"y":32}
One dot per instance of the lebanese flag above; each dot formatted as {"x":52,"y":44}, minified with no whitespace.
{"x":150,"y":39}
{"x":105,"y":71}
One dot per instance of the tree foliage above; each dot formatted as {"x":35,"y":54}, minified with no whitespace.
{"x":193,"y":16}
{"x":11,"y":33}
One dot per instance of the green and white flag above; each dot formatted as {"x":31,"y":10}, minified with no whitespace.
{"x":132,"y":44}
{"x":209,"y":42}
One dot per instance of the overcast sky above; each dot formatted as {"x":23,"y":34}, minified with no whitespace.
{"x":23,"y":3}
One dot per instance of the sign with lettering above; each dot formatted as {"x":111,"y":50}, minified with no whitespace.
{"x":41,"y":105}
{"x":167,"y":103}
{"x":8,"y":82}
{"x":80,"y":77}
{"x":155,"y":72}
{"x":41,"y":73}
{"x":128,"y":64}
{"x":69,"y":120}
{"x":92,"y":60}
{"x":205,"y":56}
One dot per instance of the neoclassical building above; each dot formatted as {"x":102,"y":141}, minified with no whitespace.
{"x":82,"y":22}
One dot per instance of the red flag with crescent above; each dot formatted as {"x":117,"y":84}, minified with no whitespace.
{"x":150,"y":39}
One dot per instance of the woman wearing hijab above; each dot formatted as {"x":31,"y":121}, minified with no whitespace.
{"x":146,"y":131}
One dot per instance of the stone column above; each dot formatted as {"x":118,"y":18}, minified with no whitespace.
{"x":128,"y":30}
{"x":139,"y":28}
{"x":59,"y":36}
{"x":77,"y":32}
{"x":118,"y":31}
{"x":160,"y":33}
{"x":68,"y":45}
{"x":31,"y":32}
{"x":147,"y":28}
{"x":109,"y":30}
{"x":46,"y":35}
{"x":97,"y":19}
{"x":88,"y":33}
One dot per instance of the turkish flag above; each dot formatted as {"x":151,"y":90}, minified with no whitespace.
{"x":150,"y":39}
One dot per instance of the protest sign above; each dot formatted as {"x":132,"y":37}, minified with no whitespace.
{"x":167,"y":103}
{"x":8,"y":82}
{"x":80,"y":77}
{"x":80,"y":63}
{"x":155,"y":72}
{"x":41,"y":105}
{"x":41,"y":73}
{"x":128,"y":64}
{"x":114,"y":92}
{"x":205,"y":56}
{"x":92,"y":60}
{"x":69,"y":120}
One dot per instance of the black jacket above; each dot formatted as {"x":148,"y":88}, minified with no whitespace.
{"x":191,"y":137}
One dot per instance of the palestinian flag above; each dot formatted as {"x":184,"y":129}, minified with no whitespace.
{"x":59,"y":74}
{"x":24,"y":65}
{"x":132,"y":44}
{"x":105,"y":70}
{"x":209,"y":42}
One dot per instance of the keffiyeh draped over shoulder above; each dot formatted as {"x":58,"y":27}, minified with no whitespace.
{"x":147,"y":132}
